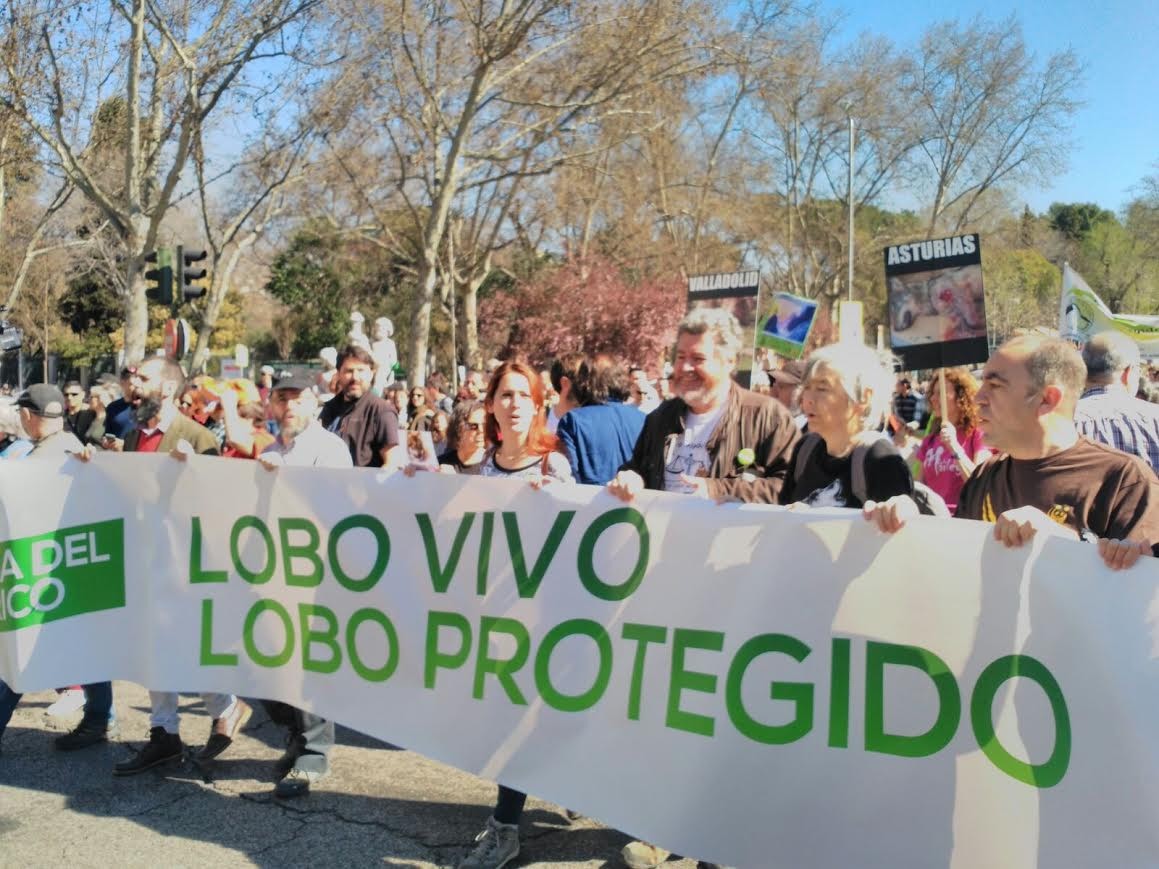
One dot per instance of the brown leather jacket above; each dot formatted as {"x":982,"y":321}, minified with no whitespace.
{"x":750,"y":421}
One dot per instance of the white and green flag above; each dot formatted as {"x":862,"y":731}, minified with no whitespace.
{"x":1082,"y":313}
{"x":740,"y":684}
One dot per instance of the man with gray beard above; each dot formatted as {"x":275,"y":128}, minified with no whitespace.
{"x":302,"y":442}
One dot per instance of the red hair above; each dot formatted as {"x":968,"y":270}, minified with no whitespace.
{"x":539,"y":439}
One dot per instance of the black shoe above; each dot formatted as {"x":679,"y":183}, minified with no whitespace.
{"x":223,"y":730}
{"x":162,"y":747}
{"x":295,"y":784}
{"x":295,"y":745}
{"x":84,"y":735}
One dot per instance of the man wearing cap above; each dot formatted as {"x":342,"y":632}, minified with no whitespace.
{"x":785,"y":387}
{"x":302,"y":442}
{"x":42,"y":415}
{"x":160,"y":427}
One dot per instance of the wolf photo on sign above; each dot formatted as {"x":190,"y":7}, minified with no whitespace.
{"x":937,"y":307}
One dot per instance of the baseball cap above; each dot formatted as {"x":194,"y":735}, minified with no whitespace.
{"x":43,"y":399}
{"x":793,"y":373}
{"x":293,"y":380}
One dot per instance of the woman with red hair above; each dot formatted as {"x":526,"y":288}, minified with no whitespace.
{"x":515,"y":423}
{"x":524,"y":450}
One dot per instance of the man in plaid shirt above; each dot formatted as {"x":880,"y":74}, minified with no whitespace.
{"x":1108,"y":411}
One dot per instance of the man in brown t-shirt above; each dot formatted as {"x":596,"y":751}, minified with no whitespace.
{"x":1046,"y":478}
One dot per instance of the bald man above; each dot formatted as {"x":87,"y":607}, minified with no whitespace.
{"x":1047,"y":478}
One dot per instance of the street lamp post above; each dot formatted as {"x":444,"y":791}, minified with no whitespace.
{"x":850,"y":194}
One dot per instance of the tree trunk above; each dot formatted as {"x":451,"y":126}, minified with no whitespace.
{"x":136,"y":311}
{"x":471,"y":321}
{"x":420,"y":323}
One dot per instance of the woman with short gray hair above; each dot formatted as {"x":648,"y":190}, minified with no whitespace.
{"x":845,"y":398}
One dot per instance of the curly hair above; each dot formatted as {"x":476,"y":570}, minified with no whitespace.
{"x":961,"y":388}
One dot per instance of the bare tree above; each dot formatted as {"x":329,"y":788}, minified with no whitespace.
{"x":258,"y":197}
{"x":466,"y":94}
{"x":179,"y":64}
{"x":984,"y":114}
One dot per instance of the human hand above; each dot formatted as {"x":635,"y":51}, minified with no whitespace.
{"x":891,"y":515}
{"x":84,"y":454}
{"x":626,"y":486}
{"x":1016,"y":527}
{"x":949,"y":437}
{"x":699,"y":485}
{"x":1121,"y":554}
{"x":182,"y":451}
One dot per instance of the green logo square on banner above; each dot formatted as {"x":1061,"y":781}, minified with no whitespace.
{"x":67,"y":572}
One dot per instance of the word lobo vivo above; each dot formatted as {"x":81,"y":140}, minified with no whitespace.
{"x":65,"y":573}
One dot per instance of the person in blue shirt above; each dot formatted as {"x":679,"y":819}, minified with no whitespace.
{"x":600,"y":433}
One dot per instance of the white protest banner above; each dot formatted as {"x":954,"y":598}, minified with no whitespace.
{"x":1081,"y":314}
{"x":741,"y":684}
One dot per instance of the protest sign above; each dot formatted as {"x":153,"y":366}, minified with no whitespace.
{"x":787,"y":330}
{"x":1081,"y":314}
{"x":937,"y":310}
{"x":741,"y":684}
{"x":739,"y":294}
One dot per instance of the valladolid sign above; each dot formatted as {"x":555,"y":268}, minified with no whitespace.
{"x":744,"y":685}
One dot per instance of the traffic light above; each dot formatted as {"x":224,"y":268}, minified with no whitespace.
{"x":186,"y":258}
{"x":160,"y":289}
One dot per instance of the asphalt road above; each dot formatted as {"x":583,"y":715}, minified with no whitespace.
{"x":380,"y":807}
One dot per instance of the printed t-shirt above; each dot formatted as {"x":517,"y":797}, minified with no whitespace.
{"x":688,"y":451}
{"x":940,"y":466}
{"x":1091,"y":488}
{"x":557,"y":468}
{"x":827,"y":481}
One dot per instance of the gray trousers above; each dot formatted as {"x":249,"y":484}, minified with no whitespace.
{"x":316,"y":733}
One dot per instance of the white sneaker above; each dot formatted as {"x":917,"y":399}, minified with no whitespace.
{"x":69,"y":701}
{"x":641,"y":855}
{"x":497,"y":846}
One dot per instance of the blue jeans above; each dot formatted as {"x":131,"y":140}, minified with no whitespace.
{"x":98,"y":705}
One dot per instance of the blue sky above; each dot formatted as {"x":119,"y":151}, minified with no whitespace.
{"x":1116,"y":131}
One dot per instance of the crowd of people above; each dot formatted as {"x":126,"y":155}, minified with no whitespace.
{"x":1045,"y":440}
